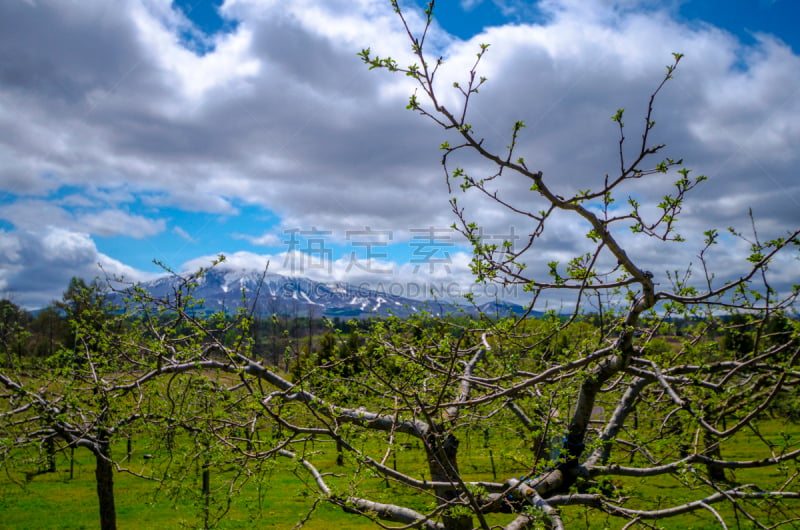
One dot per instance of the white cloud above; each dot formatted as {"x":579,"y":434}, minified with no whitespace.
{"x":32,"y":214}
{"x":227,"y":67}
{"x":183,"y":234}
{"x":450,"y":278}
{"x":282,"y":115}
{"x":754,"y":110}
{"x":467,"y":5}
{"x":115,"y":222}
{"x":35,"y":267}
{"x":267,"y":239}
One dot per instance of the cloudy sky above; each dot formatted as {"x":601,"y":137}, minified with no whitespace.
{"x":141,"y":130}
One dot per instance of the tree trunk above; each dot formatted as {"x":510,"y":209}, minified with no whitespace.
{"x":443,"y":464}
{"x":206,"y":495}
{"x":340,"y":454}
{"x":104,"y":475}
{"x":50,"y":447}
{"x":716,"y":473}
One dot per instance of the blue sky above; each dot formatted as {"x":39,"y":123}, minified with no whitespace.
{"x":175,"y":131}
{"x":467,"y":18}
{"x":745,"y":18}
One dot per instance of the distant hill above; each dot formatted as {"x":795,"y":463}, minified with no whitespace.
{"x":223,"y":288}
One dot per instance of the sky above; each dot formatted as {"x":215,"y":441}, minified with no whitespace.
{"x":144,"y":134}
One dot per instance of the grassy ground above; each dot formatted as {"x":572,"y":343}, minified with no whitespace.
{"x":54,"y":500}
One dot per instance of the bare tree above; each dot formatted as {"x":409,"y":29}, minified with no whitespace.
{"x":522,"y":422}
{"x":614,"y":403}
{"x":99,"y":391}
{"x":68,"y":405}
{"x":707,"y":397}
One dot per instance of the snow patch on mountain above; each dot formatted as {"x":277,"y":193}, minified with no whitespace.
{"x":233,"y":288}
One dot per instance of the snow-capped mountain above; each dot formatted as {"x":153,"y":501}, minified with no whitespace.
{"x":229,"y":289}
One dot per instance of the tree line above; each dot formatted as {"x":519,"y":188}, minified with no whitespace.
{"x":28,"y":337}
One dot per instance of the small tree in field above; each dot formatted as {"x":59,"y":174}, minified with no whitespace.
{"x":67,"y":405}
{"x":104,"y":388}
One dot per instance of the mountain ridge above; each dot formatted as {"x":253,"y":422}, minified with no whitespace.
{"x":230,"y":289}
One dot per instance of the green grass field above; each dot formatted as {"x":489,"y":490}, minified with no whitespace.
{"x":53,"y":500}
{"x":282,"y":499}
